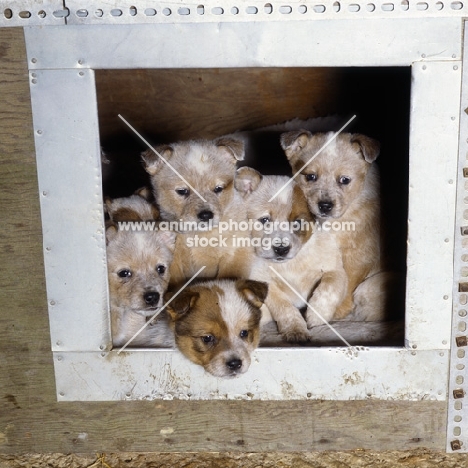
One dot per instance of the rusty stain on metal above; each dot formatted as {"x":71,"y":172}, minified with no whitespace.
{"x":464,"y":230}
{"x":455,"y":444}
{"x":463,"y":287}
{"x":461,"y":341}
{"x":465,"y":172}
{"x":458,"y":393}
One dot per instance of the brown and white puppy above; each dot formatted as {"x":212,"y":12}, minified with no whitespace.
{"x":217,"y":324}
{"x":138,"y":265}
{"x":307,"y":265}
{"x":341,"y":184}
{"x":207,"y":167}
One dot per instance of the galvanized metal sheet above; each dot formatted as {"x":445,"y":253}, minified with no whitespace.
{"x":70,"y":189}
{"x":275,"y":374}
{"x":130,"y":12}
{"x":32,"y":12}
{"x":457,"y":423}
{"x":285,"y":44}
{"x":435,"y":106}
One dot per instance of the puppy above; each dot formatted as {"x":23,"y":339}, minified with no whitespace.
{"x":136,"y":207}
{"x":341,"y":183}
{"x":138,"y":272}
{"x":216,"y":324}
{"x":208,"y":167}
{"x":306,"y":259}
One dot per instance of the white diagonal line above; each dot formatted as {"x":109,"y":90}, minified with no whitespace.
{"x":155,"y":152}
{"x":311,"y":308}
{"x":160,"y":309}
{"x":314,"y":156}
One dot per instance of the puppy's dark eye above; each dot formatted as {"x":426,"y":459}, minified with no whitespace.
{"x":161,"y":269}
{"x":183,"y":192}
{"x":244,"y":333}
{"x":208,"y":339}
{"x":124,"y":273}
{"x":264,"y":219}
{"x":344,"y":180}
{"x":218,"y":189}
{"x":311,"y":177}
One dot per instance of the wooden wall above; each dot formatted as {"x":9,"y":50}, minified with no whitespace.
{"x":32,"y":421}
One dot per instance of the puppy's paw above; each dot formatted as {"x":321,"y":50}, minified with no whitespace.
{"x":296,"y":335}
{"x":314,"y":320}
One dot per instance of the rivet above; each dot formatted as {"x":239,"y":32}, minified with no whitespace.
{"x":59,"y":343}
{"x":423,"y":55}
{"x":39,"y":132}
{"x":81,"y":73}
{"x":450,"y":181}
{"x":444,"y":342}
{"x":52,"y":303}
{"x":62,"y":394}
{"x":34,"y":75}
{"x":424,"y":67}
{"x":33,"y":60}
{"x":34,"y":81}
{"x":455,"y":67}
{"x":102,"y":347}
{"x":414,"y":346}
{"x":454,"y":55}
{"x":446,"y":297}
{"x":59,"y":358}
{"x":80,"y":62}
{"x":446,"y":240}
{"x":45,"y":193}
{"x":309,"y":395}
{"x":452,"y":118}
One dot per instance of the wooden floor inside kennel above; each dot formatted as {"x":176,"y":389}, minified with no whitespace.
{"x":31,"y":420}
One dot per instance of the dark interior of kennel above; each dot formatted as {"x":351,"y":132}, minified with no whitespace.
{"x":179,"y":104}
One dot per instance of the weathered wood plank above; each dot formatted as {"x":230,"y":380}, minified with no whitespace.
{"x":32,"y":421}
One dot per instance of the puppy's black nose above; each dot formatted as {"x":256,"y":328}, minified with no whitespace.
{"x":325,"y":206}
{"x":151,"y":297}
{"x":281,"y":250}
{"x":205,"y":215}
{"x":234,"y":364}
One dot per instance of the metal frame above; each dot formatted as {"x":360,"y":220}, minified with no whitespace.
{"x":62,"y":61}
{"x":101,"y":12}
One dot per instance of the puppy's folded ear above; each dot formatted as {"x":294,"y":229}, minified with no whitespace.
{"x":254,"y":292}
{"x":111,"y":231}
{"x":152,"y":162}
{"x":168,"y":237}
{"x":295,"y":141}
{"x":247,"y":180}
{"x":145,"y":193}
{"x":182,"y":304}
{"x":232,"y":146}
{"x":369,"y":147}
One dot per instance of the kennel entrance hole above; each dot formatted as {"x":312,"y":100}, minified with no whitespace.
{"x":168,"y":105}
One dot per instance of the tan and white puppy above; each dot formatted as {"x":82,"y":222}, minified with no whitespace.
{"x":217,"y":324}
{"x":307,"y":264}
{"x":138,"y":265}
{"x":341,"y":184}
{"x":136,"y":207}
{"x":209,"y":168}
